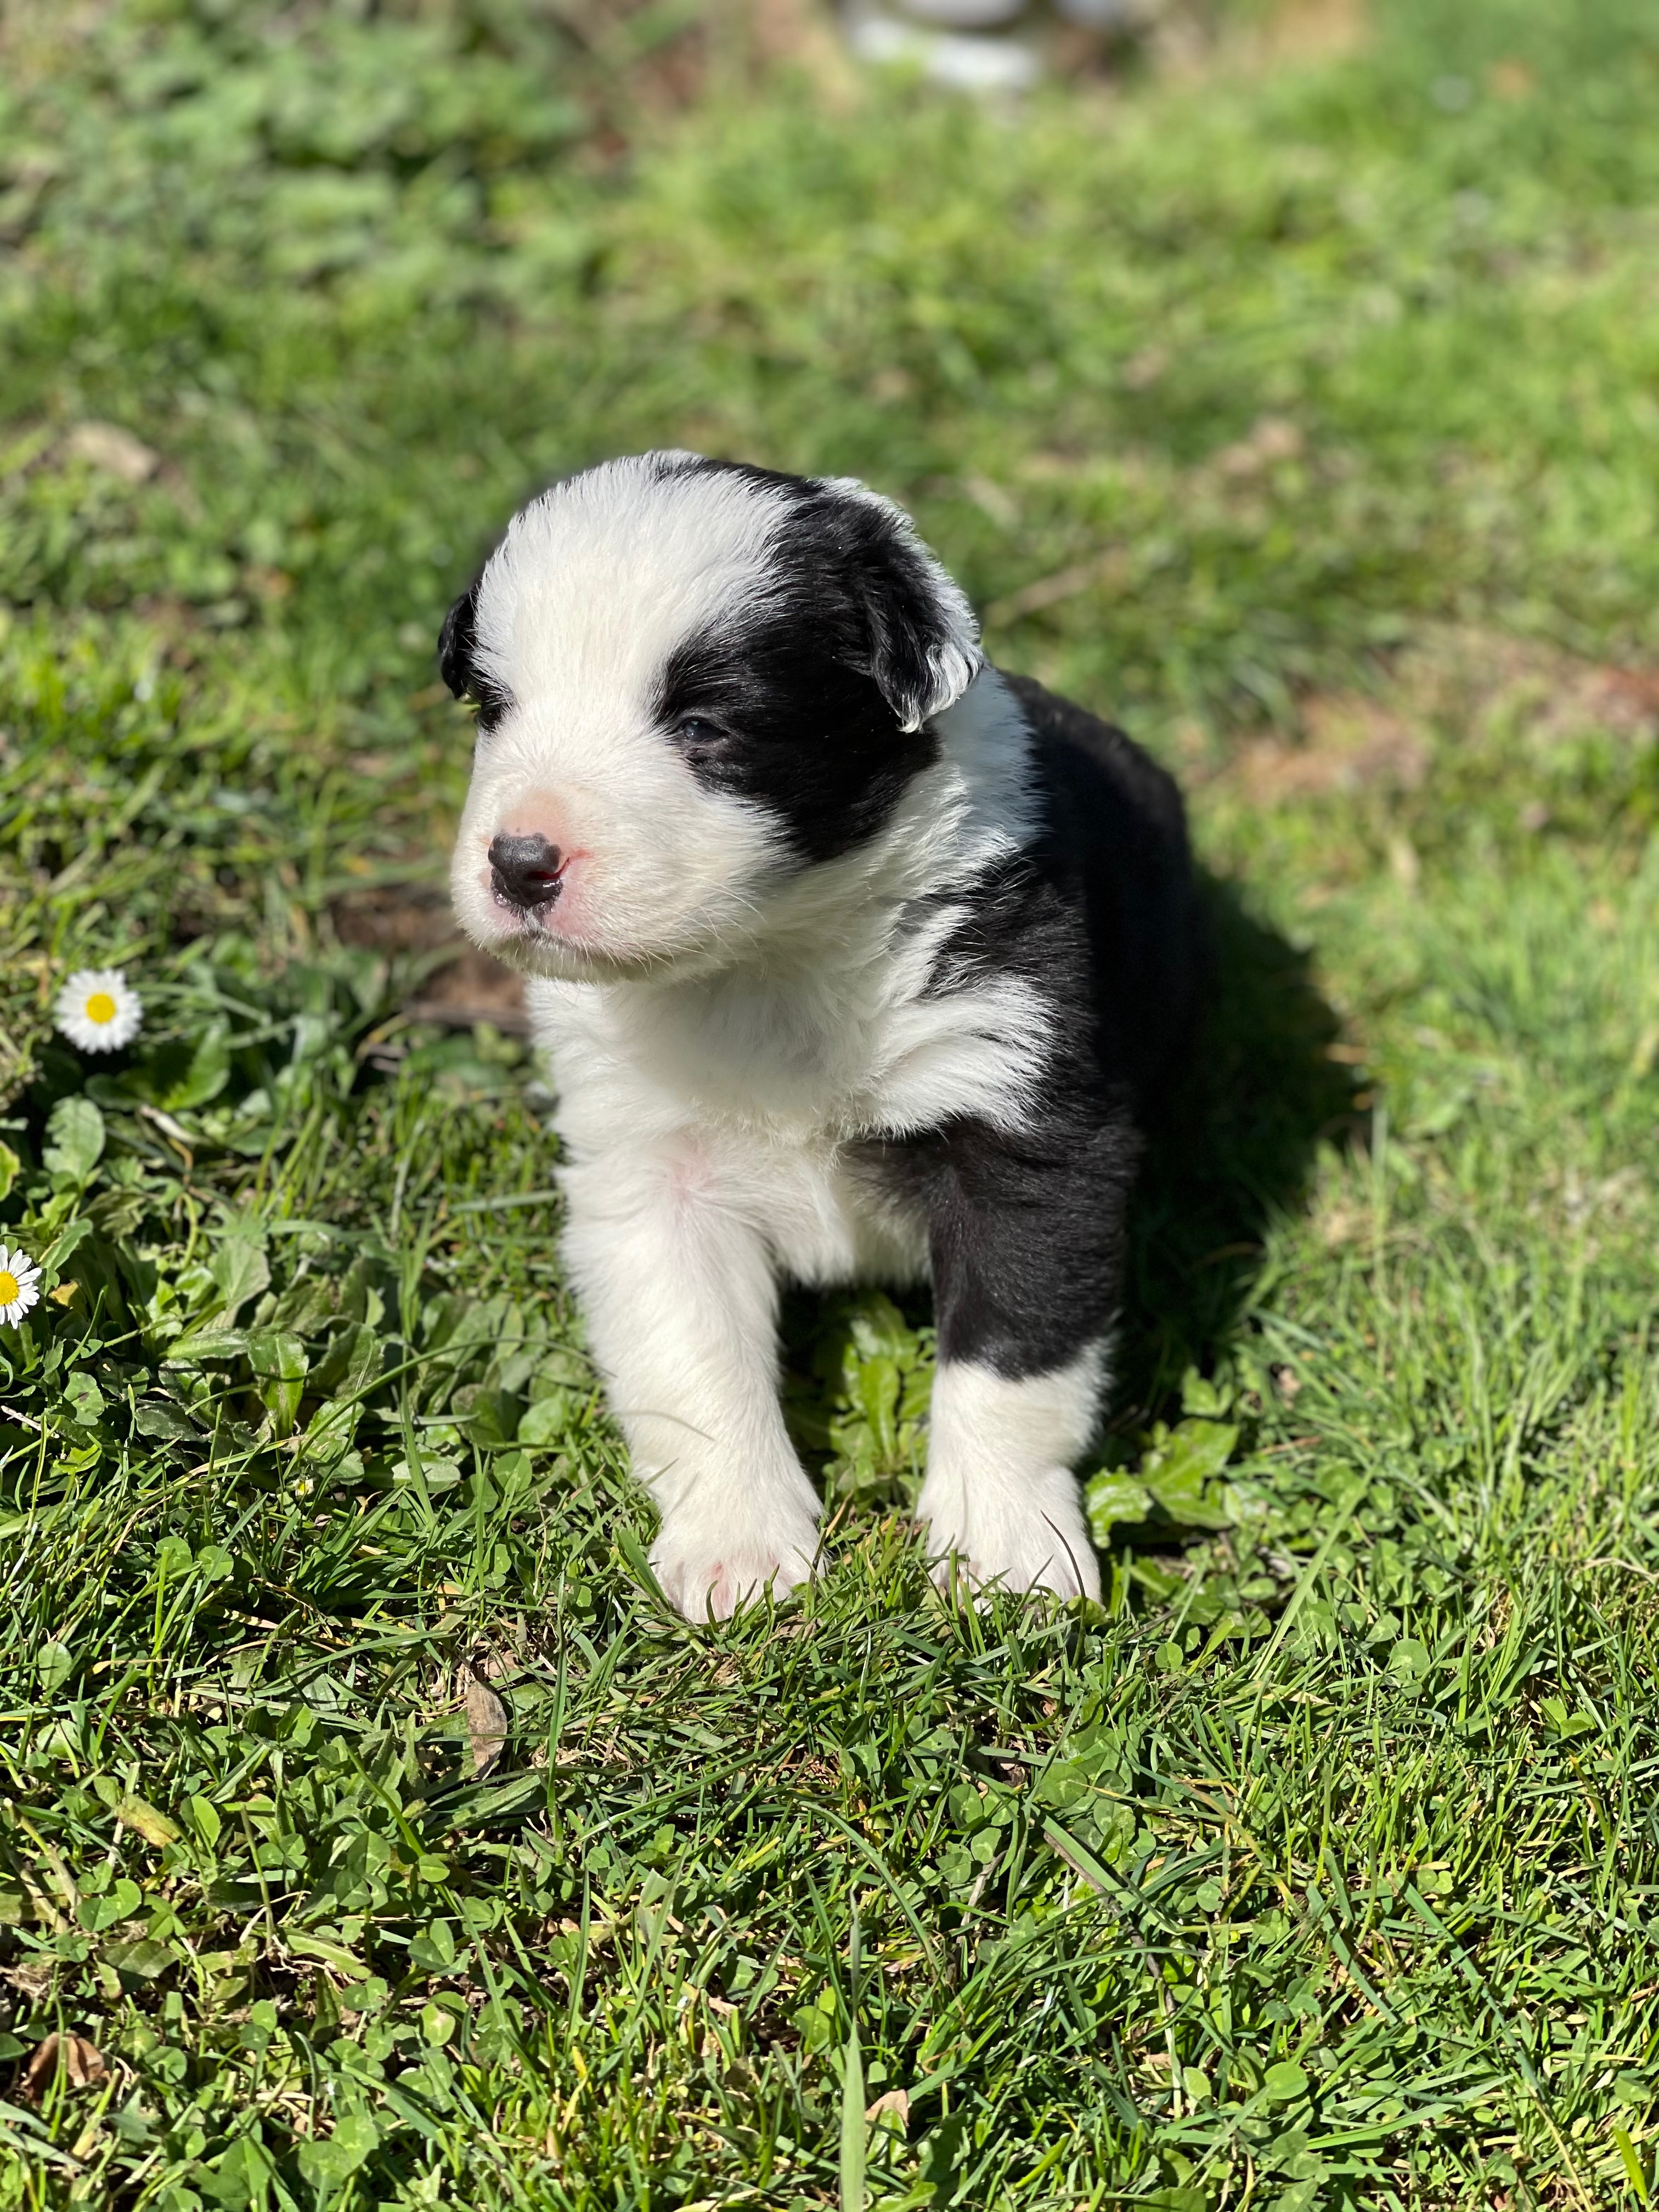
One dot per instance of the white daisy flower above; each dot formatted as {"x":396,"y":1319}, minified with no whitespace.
{"x":99,"y":1010}
{"x":20,"y":1285}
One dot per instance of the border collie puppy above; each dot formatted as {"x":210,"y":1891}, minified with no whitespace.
{"x":855,"y":960}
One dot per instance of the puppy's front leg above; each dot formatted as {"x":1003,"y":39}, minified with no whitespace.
{"x":1000,"y":1500}
{"x":682,"y":1312}
{"x":1026,"y":1241}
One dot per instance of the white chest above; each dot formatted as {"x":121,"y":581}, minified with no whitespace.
{"x":755,"y":1090}
{"x":800,"y":1060}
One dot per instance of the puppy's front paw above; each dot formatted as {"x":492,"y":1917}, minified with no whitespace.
{"x":1040,"y":1544}
{"x":711,"y":1564}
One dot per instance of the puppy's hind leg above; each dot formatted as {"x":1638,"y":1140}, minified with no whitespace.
{"x":682,"y":1311}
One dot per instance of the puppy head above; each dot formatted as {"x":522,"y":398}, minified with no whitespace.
{"x":694,"y":680}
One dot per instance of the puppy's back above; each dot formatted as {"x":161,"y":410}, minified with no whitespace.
{"x":1116,"y":843}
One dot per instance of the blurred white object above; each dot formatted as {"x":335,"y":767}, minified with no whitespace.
{"x":957,"y":58}
{"x":962,"y":14}
{"x":1102,"y":15}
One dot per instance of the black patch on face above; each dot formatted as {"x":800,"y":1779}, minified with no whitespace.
{"x":457,"y":660}
{"x":773,"y":713}
{"x":836,"y":538}
{"x":1099,"y":914}
{"x":799,"y":702}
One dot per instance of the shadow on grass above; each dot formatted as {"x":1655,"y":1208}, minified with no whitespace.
{"x":1234,"y":1148}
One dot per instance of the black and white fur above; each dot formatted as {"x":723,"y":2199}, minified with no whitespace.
{"x":854,"y":959}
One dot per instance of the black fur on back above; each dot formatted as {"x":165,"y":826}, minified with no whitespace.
{"x":1100,"y":916}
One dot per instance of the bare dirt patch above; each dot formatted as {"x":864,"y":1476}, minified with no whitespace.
{"x":1349,"y":742}
{"x":1451,"y":687}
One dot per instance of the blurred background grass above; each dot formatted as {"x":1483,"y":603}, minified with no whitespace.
{"x":285,"y":246}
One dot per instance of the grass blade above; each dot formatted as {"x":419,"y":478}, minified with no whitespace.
{"x":851,"y":2123}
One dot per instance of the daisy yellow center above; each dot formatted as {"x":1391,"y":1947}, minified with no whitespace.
{"x":100,"y":1007}
{"x":8,"y":1286}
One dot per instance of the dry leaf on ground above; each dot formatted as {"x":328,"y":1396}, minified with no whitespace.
{"x":486,"y":1724}
{"x":83,"y":2061}
{"x":143,"y":1820}
{"x":107,"y":447}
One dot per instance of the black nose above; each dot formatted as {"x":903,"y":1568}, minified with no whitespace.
{"x":525,"y":869}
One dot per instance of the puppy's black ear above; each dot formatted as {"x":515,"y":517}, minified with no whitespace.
{"x":458,"y":643}
{"x":924,"y":649}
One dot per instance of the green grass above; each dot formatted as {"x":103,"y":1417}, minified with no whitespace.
{"x":1303,"y":418}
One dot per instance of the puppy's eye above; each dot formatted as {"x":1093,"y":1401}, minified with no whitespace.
{"x":694,"y":730}
{"x":493,"y":704}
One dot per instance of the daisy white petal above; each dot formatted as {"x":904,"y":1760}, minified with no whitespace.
{"x":98,"y":1009}
{"x":20,"y":1285}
